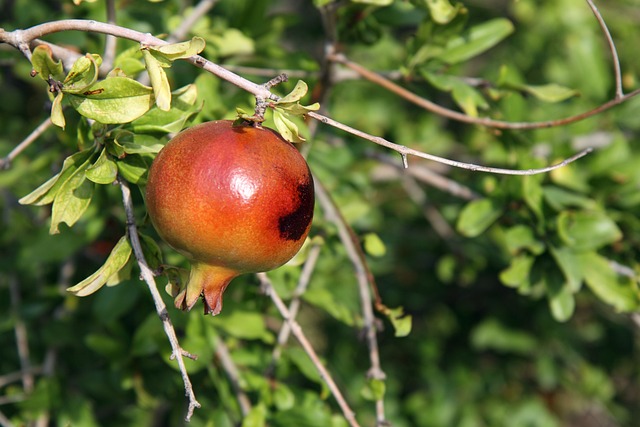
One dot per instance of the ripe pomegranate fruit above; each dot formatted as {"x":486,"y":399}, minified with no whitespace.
{"x":233,"y":199}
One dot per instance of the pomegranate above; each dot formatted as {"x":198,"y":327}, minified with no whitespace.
{"x":233,"y":199}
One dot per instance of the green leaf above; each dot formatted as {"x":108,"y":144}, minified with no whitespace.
{"x":587,"y":230}
{"x":134,"y":168}
{"x":467,"y":97}
{"x":83,"y":74}
{"x":159,"y":80}
{"x":493,"y":335}
{"x":137,"y":143}
{"x":113,"y":100}
{"x":296,"y":94}
{"x":180,"y":50}
{"x":476,"y":40}
{"x":245,"y":325}
{"x":619,"y":291}
{"x":550,"y":92}
{"x":401,"y":322}
{"x":104,"y":170}
{"x":43,"y":63}
{"x":57,"y":115}
{"x":283,"y":397}
{"x":570,"y":263}
{"x":286,"y":128}
{"x":117,"y":260}
{"x":374,"y":245}
{"x":517,"y":274}
{"x":321,"y":297}
{"x":477,"y":216}
{"x":374,"y":2}
{"x":257,"y":417}
{"x":560,"y":199}
{"x":442,"y":12}
{"x":45,"y":194}
{"x":521,"y":237}
{"x":72,"y":200}
{"x":374,"y":389}
{"x":560,"y":296}
{"x":182,"y":109}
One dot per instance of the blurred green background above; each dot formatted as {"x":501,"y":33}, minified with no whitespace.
{"x":522,"y":290}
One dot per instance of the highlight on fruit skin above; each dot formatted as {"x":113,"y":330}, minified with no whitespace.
{"x":233,"y":199}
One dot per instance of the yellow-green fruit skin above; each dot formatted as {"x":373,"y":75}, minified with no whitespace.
{"x":233,"y":199}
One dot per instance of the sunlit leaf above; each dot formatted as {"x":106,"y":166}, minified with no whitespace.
{"x":104,"y":170}
{"x":180,"y":50}
{"x":286,"y":128}
{"x":442,"y":11}
{"x":44,"y":64}
{"x":159,"y":80}
{"x":117,"y":259}
{"x":57,"y":115}
{"x":72,"y":200}
{"x":46,"y":193}
{"x":82,"y":75}
{"x":113,"y":100}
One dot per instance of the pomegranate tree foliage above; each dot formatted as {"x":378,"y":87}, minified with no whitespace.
{"x":521,"y":290}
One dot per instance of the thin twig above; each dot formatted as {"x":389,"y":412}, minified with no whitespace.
{"x":428,"y":176}
{"x":111,"y":41}
{"x":366,"y":282}
{"x":190,"y":20}
{"x":294,"y":304}
{"x":403,"y":150}
{"x":229,"y":366}
{"x":147,"y":275}
{"x":297,"y":332}
{"x":14,"y":38}
{"x":612,"y":48}
{"x":21,"y":38}
{"x":461,"y":117}
{"x":22,"y":339}
{"x":4,"y":421}
{"x":5,"y":162}
{"x":17,"y":376}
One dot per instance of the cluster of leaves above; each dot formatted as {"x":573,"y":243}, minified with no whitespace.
{"x":486,"y":346}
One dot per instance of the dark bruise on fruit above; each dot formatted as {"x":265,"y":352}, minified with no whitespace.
{"x":234,"y":200}
{"x":292,"y":226}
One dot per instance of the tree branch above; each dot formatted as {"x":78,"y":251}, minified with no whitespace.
{"x":612,"y":48}
{"x":366,"y":282}
{"x":147,"y":275}
{"x":269,"y":290}
{"x":5,"y":162}
{"x":404,"y":151}
{"x":461,"y":117}
{"x":222,"y":353}
{"x":294,"y":305}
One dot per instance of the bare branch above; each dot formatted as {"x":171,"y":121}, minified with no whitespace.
{"x":403,"y":150}
{"x":461,"y":117}
{"x":22,"y":340}
{"x":428,"y":176}
{"x":294,"y":305}
{"x":21,"y":38}
{"x":222,"y":352}
{"x":348,"y":413}
{"x":111,"y":41}
{"x":161,"y":308}
{"x":189,"y":21}
{"x":5,"y":162}
{"x":612,"y":48}
{"x":365,"y":281}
